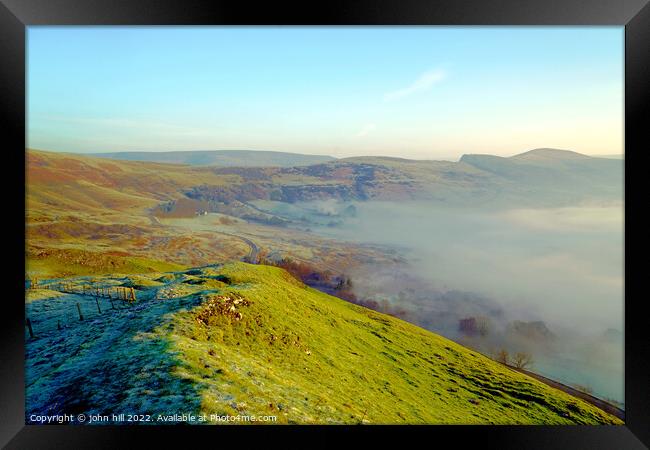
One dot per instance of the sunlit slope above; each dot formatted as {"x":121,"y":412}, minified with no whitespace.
{"x":550,"y":175}
{"x":542,"y":177}
{"x":57,"y":181}
{"x":52,"y":263}
{"x":89,"y":215}
{"x":246,"y":339}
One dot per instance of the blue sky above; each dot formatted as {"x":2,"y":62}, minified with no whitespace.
{"x":416,"y":92}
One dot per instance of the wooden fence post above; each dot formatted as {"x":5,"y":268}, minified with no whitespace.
{"x":132,"y":294}
{"x":110,"y":299}
{"x":81,"y":317}
{"x":29,"y":327}
{"x":98,"y":308}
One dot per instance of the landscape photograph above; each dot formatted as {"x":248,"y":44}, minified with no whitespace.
{"x":324,"y":225}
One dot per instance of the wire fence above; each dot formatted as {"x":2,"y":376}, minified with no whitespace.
{"x":79,"y":303}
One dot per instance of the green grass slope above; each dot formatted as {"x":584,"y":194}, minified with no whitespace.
{"x":68,"y":262}
{"x":252,"y":340}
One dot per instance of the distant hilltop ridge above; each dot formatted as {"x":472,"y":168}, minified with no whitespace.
{"x":270,"y":158}
{"x":224,"y":158}
{"x":537,"y":154}
{"x":553,"y":153}
{"x":547,"y":167}
{"x":550,"y":178}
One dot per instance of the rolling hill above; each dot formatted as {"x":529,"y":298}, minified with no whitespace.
{"x":115,"y":222}
{"x":101,"y":211}
{"x":542,"y":177}
{"x":251,"y":340}
{"x":555,"y":173}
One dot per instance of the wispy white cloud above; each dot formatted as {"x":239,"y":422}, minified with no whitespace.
{"x":118,"y":124}
{"x":366,"y":129}
{"x":423,"y":83}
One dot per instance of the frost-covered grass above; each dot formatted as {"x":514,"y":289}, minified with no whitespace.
{"x":247,"y":339}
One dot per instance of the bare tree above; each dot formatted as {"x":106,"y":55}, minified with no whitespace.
{"x":522,"y":360}
{"x":583,"y":388}
{"x":503,"y":356}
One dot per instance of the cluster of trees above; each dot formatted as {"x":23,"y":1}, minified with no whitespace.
{"x":520,"y":360}
{"x":339,"y":285}
{"x":305,"y":272}
{"x":480,"y":325}
{"x":383,"y":306}
{"x":325,"y":280}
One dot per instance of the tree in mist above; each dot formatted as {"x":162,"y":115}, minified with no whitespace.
{"x":503,"y":356}
{"x":583,"y":388}
{"x":522,"y":360}
{"x":483,"y":325}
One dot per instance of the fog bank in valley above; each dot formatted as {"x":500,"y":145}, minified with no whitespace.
{"x":560,"y":266}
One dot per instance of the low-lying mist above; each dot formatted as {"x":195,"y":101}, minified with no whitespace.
{"x":545,"y":281}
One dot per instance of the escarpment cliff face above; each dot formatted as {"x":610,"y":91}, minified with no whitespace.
{"x":545,"y":178}
{"x":542,"y":177}
{"x":339,"y":181}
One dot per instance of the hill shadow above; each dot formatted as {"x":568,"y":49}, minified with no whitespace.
{"x":121,"y":362}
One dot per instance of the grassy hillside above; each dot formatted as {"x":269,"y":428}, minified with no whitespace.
{"x":246,"y":339}
{"x":88,"y":215}
{"x":55,"y":263}
{"x":61,"y":181}
{"x":550,"y":175}
{"x":542,"y":177}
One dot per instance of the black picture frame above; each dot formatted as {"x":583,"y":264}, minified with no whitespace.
{"x":634,"y":15}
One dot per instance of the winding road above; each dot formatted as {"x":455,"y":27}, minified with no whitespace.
{"x":254,"y":253}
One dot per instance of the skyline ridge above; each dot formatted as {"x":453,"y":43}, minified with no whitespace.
{"x":420,"y":92}
{"x":110,"y":155}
